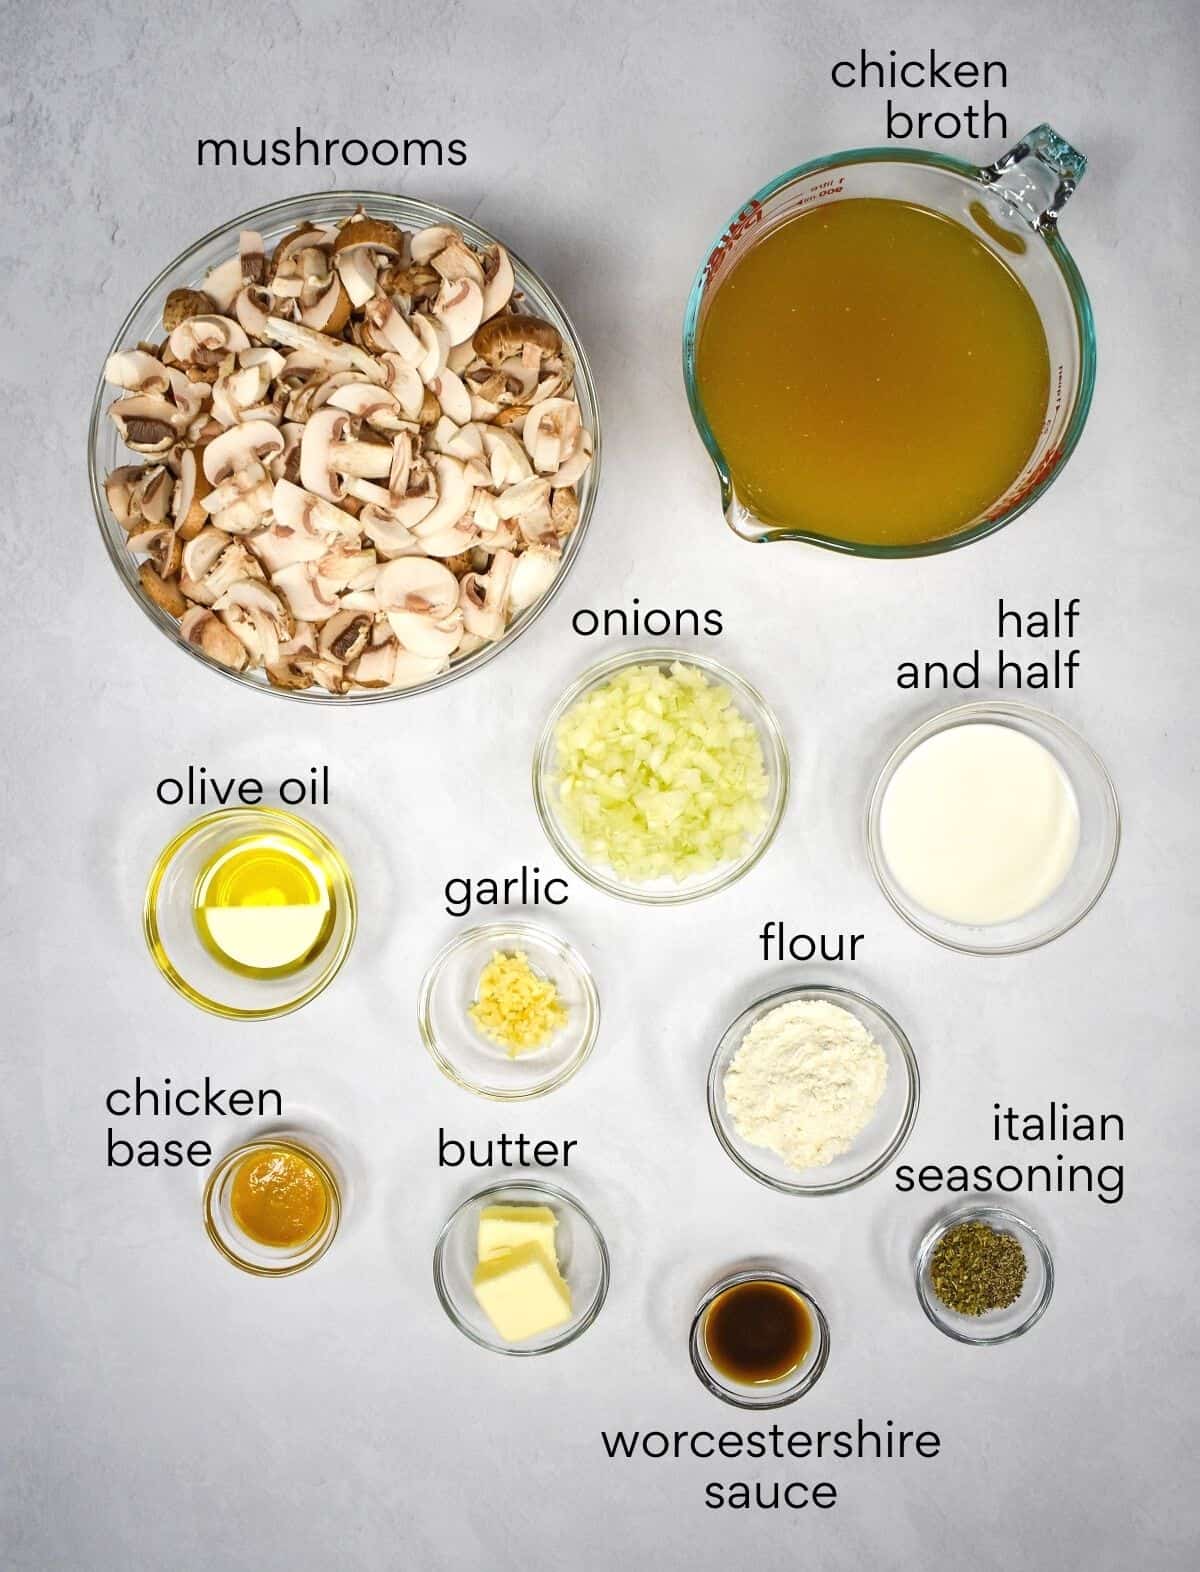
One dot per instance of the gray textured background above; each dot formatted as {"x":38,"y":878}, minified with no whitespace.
{"x":161,"y":1409}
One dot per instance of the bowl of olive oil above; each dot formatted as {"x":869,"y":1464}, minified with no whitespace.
{"x":250,"y":912}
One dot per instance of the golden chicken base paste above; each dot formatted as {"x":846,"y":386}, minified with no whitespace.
{"x":278,"y":1197}
{"x":872,"y":372}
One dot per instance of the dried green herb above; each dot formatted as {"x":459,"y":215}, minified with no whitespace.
{"x":976,"y":1268}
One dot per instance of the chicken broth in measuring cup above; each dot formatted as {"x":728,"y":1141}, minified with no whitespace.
{"x":872,"y":373}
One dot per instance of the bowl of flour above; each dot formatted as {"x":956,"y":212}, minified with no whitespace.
{"x":813,"y":1090}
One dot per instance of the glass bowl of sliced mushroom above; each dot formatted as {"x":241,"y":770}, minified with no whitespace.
{"x":345,"y":447}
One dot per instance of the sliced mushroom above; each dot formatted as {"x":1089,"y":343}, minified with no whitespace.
{"x":459,"y":308}
{"x":551,"y":432}
{"x":206,"y":340}
{"x":308,"y":599}
{"x":181,"y":304}
{"x":453,"y":397}
{"x":516,"y":334}
{"x":344,"y":637}
{"x":498,"y":280}
{"x":146,"y":422}
{"x":240,"y":447}
{"x":317,"y":473}
{"x":207,"y":633}
{"x":484,"y":597}
{"x":163,"y":592}
{"x":535,"y":571}
{"x":426,"y":243}
{"x":137,"y":371}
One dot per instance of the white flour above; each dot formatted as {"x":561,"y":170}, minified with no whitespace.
{"x":805,"y":1081}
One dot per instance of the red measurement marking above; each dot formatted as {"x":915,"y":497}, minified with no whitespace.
{"x":747,"y":219}
{"x":1036,"y":475}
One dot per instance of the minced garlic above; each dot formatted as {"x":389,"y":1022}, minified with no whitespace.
{"x":514,"y":1006}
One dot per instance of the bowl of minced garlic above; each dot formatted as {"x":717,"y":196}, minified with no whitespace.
{"x":509,"y":1010}
{"x":515,"y":1006}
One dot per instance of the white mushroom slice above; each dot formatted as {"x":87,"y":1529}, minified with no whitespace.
{"x":537,"y":525}
{"x":404,"y":383}
{"x":239,"y":395}
{"x":551,"y":432}
{"x":190,"y":490}
{"x":189,"y":397}
{"x":484,"y":597}
{"x":280,"y":545}
{"x":355,"y":456}
{"x":137,"y":371}
{"x":456,"y":260}
{"x":388,"y":535}
{"x":411,"y":669}
{"x":302,"y":642}
{"x":535,"y":571}
{"x":435,"y":343}
{"x":478,"y":473}
{"x":459,"y":308}
{"x":317,"y":473}
{"x":466,"y":443}
{"x":461,"y":357}
{"x":299,"y":509}
{"x":359,"y":273}
{"x":207,"y":633}
{"x":507,"y":457}
{"x":523,"y":497}
{"x":241,"y":446}
{"x":573,"y":469}
{"x":333,"y":353}
{"x":257,"y":617}
{"x":330,"y":311}
{"x":346,"y":566}
{"x":520,"y":381}
{"x":234,"y":562}
{"x":360,"y":600}
{"x":120,"y":487}
{"x":308,"y":599}
{"x":378,"y":406}
{"x":426,"y":243}
{"x":251,"y":308}
{"x":223,"y":284}
{"x":390,"y":329}
{"x":450,"y":542}
{"x":375,"y":667}
{"x":422,"y":635}
{"x":404,"y":445}
{"x":345,"y":636}
{"x":454,"y":494}
{"x":146,"y":422}
{"x":206,"y":339}
{"x":498,"y":280}
{"x":450,"y":393}
{"x":200,"y":555}
{"x":417,"y":586}
{"x":328,"y":674}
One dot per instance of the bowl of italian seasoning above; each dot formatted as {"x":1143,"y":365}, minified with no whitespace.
{"x":984,"y":1275}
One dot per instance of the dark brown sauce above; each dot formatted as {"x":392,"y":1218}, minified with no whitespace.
{"x":757,"y":1332}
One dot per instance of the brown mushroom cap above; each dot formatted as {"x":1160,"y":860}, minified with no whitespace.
{"x":497,"y":340}
{"x":181,"y":304}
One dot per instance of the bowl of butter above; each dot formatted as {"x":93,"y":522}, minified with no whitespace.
{"x":521,"y":1268}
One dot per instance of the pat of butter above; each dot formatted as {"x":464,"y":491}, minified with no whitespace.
{"x":503,"y":1228}
{"x":521,"y":1294}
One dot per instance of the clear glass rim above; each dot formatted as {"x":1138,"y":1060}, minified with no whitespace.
{"x":566,"y":952}
{"x":575,"y":1329}
{"x":776,"y":760}
{"x":836,"y":995}
{"x":327,"y":1232}
{"x":261,"y":217}
{"x":281,"y":817}
{"x":785,"y":1393}
{"x":975,"y":1211}
{"x":1002,"y":712}
{"x":1084,"y":327}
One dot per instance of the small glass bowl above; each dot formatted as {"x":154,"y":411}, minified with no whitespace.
{"x":106,"y":451}
{"x":472,"y":1060}
{"x":995,"y":1326}
{"x":662,"y":892}
{"x":877,"y":1144}
{"x":1099,"y":834}
{"x":582,"y":1259}
{"x":258,"y":1259}
{"x":774,"y":1394}
{"x":170,"y":929}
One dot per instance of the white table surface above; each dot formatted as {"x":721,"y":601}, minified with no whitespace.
{"x":163,"y":1410}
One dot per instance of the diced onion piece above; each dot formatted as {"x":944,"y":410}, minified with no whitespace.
{"x":660,"y":775}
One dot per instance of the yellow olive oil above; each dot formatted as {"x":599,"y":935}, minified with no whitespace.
{"x":872,"y":372}
{"x":263,"y":905}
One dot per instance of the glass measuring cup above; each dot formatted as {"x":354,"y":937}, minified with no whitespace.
{"x":1012,"y":208}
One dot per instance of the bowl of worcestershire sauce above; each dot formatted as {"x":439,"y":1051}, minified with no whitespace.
{"x":759,"y":1340}
{"x":890,"y":352}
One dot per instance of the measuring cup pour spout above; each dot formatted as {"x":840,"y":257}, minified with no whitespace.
{"x":1038,"y":176}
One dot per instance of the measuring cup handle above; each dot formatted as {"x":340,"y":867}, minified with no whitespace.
{"x":1037,"y":176}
